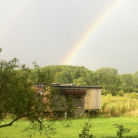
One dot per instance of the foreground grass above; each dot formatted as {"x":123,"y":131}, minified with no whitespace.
{"x":101,"y":128}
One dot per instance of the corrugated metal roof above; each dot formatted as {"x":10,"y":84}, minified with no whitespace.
{"x":72,"y":86}
{"x":39,"y":85}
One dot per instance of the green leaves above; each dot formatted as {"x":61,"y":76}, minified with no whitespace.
{"x":121,"y":130}
{"x":85,"y":131}
{"x":18,"y":98}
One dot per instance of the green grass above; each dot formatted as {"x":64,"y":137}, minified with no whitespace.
{"x":101,"y":128}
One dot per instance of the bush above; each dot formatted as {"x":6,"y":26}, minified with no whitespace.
{"x":121,"y":130}
{"x":85,"y":131}
{"x":121,"y":93}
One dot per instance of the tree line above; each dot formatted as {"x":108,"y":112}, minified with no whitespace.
{"x":111,"y":81}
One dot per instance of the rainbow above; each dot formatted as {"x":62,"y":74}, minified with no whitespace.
{"x":85,"y":37}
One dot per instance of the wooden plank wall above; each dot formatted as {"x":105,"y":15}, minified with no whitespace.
{"x":92,"y":99}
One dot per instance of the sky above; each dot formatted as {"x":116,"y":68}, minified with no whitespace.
{"x":46,"y":31}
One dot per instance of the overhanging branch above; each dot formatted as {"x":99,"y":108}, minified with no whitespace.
{"x":10,"y":123}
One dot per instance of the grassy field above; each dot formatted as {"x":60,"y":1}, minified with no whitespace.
{"x":113,"y":106}
{"x":101,"y":128}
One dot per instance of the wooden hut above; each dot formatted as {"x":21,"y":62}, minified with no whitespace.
{"x":84,"y":98}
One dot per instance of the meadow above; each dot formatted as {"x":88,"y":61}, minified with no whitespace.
{"x":101,"y":128}
{"x":114,"y":110}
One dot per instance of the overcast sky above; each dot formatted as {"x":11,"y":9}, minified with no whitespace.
{"x":45,"y":31}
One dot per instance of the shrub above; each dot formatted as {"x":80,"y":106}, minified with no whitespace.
{"x":85,"y":131}
{"x":121,"y":130}
{"x":121,"y":93}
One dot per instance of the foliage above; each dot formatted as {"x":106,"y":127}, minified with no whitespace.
{"x":108,"y":78}
{"x":18,"y":98}
{"x":127,"y":82}
{"x":135,"y":81}
{"x":40,"y":76}
{"x":112,"y":82}
{"x":79,"y":81}
{"x":121,"y":93}
{"x":66,"y":74}
{"x":47,"y":128}
{"x":85,"y":131}
{"x":121,"y":130}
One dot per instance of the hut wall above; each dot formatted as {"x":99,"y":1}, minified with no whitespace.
{"x":92,"y":99}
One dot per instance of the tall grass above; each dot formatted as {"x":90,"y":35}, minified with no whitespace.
{"x":118,"y":106}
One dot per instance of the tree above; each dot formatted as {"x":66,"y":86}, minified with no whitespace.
{"x":17,"y":95}
{"x":80,"y":81}
{"x":135,"y":76}
{"x":127,"y":82}
{"x":109,"y":79}
{"x":63,"y":77}
{"x":41,"y":75}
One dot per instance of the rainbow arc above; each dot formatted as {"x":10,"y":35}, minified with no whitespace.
{"x":88,"y":34}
